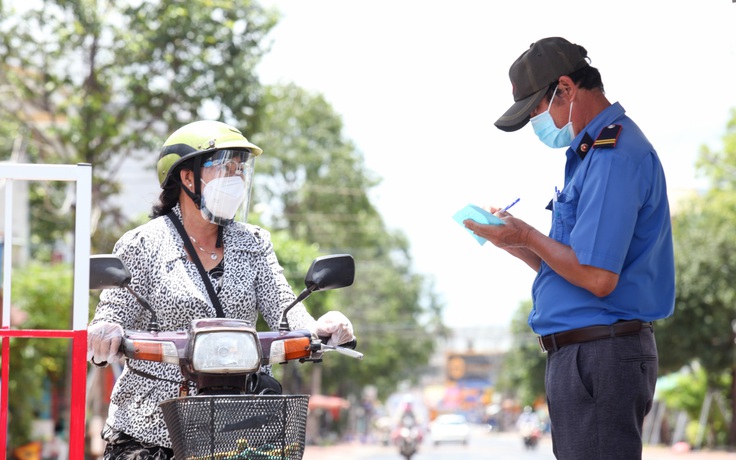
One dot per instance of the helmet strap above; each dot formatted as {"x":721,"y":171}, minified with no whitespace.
{"x":195,"y":196}
{"x":198,"y":181}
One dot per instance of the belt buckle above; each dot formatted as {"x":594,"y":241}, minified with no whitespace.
{"x":540,"y":339}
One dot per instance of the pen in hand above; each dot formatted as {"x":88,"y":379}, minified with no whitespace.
{"x":509,"y":206}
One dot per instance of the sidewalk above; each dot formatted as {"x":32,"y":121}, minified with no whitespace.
{"x":667,"y":453}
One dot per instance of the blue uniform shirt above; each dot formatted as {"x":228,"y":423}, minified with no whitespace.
{"x":613,"y":212}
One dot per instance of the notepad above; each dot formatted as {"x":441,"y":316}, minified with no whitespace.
{"x":479,"y":215}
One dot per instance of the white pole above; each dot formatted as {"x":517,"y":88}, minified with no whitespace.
{"x":704,"y":411}
{"x":82,"y":175}
{"x":82,"y":246}
{"x":7,"y":251}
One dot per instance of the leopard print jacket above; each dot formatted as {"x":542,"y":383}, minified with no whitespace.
{"x":252,"y":282}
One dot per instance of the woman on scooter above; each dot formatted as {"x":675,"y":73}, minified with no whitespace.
{"x":190,"y":261}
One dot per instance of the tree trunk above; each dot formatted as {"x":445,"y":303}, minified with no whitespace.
{"x":732,"y":429}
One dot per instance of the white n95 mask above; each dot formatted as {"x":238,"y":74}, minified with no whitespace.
{"x":222,"y":197}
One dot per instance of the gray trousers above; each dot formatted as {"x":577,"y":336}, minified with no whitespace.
{"x":598,"y":394}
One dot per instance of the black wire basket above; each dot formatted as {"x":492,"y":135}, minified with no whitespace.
{"x":252,"y":427}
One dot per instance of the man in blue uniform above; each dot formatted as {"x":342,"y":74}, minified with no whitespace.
{"x":606,"y":270}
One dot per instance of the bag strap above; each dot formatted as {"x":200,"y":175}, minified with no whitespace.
{"x":195,"y":258}
{"x":149,"y":376}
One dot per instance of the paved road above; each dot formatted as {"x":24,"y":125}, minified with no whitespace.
{"x":484,"y":446}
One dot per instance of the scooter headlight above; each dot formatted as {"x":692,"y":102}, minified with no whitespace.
{"x":226,"y":352}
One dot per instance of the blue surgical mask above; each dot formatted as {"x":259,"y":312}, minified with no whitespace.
{"x":550,"y":135}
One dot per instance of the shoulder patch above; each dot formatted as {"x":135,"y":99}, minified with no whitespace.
{"x":608,"y":137}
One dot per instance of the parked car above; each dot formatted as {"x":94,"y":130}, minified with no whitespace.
{"x":450,"y":428}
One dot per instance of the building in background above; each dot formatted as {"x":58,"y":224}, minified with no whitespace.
{"x":464,"y":371}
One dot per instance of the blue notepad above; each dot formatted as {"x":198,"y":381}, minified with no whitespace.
{"x":479,"y":215}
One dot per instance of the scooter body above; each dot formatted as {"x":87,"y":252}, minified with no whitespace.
{"x":228,"y":414}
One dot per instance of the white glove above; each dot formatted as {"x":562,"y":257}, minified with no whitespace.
{"x":336,"y":326}
{"x":103,"y":343}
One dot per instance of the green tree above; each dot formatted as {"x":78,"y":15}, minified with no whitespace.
{"x":522,"y":371}
{"x":702,"y":327}
{"x":312,"y":184}
{"x":89,"y":81}
{"x":686,"y":391}
{"x":311,"y":177}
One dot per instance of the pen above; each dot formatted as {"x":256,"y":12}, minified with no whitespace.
{"x":509,"y":206}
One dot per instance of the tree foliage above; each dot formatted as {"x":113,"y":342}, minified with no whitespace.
{"x":312,"y":180}
{"x":705,"y":262}
{"x":522,"y":371}
{"x":702,"y":327}
{"x":312,"y":184}
{"x":87,"y":81}
{"x":687,"y":391}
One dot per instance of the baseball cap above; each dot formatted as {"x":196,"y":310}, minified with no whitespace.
{"x":531,"y":74}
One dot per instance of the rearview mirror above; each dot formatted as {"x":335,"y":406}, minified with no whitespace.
{"x":107,"y":271}
{"x":327,"y":272}
{"x":330,"y":272}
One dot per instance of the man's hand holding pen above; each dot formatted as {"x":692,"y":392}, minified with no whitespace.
{"x":505,"y":209}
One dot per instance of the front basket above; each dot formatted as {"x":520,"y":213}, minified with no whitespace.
{"x":252,"y":427}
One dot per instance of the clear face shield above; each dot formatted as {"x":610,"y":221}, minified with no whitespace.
{"x":227,"y":179}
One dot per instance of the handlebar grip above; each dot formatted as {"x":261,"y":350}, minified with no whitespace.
{"x":351,"y":345}
{"x":126,"y":346}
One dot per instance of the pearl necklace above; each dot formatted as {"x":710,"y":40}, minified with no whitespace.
{"x":213,"y":255}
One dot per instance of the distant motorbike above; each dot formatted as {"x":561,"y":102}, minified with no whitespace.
{"x":407,"y":435}
{"x":408,"y":440}
{"x":530,"y":433}
{"x":236,"y":412}
{"x":529,"y":426}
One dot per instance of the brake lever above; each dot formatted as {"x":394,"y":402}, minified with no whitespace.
{"x":343,"y":351}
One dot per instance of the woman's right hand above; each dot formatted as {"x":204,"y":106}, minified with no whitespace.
{"x":103,"y":343}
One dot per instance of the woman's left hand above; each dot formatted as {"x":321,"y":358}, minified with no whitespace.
{"x":336,"y":326}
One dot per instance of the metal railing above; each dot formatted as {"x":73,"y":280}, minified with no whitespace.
{"x":82,"y":175}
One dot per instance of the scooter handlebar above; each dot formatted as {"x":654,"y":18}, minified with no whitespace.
{"x":347,"y":349}
{"x":351,"y":345}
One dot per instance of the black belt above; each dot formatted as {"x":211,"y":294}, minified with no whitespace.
{"x":590,"y":333}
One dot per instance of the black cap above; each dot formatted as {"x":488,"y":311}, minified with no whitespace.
{"x":531,"y":74}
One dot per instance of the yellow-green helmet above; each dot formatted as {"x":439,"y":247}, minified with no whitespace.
{"x":198,"y":138}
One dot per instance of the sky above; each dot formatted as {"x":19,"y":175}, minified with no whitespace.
{"x":419,"y":84}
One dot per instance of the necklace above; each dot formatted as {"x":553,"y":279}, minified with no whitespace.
{"x":213,"y":255}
